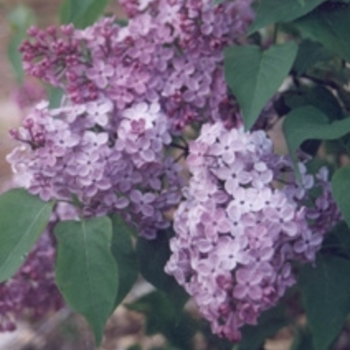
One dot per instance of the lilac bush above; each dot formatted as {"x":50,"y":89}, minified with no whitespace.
{"x":162,"y":128}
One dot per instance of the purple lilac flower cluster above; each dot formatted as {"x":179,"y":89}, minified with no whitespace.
{"x":109,"y":161}
{"x":238,"y":230}
{"x":32,"y":289}
{"x":169,"y":53}
{"x":127,"y":89}
{"x":128,"y":92}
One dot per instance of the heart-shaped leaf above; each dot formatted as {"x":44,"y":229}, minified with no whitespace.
{"x":86,"y":271}
{"x":255,"y":75}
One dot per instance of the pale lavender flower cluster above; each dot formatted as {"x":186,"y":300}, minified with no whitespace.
{"x":108,"y":161}
{"x":127,"y":89}
{"x":169,"y":53}
{"x":238,"y":228}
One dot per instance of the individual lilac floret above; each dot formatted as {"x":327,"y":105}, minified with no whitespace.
{"x":170,"y":53}
{"x":238,"y":228}
{"x":108,"y":161}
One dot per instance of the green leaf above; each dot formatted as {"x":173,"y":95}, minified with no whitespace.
{"x":135,"y":347}
{"x":254,"y":75}
{"x":341,"y":188}
{"x":125,"y":255}
{"x":81,"y":13}
{"x":153,"y":255}
{"x":329,"y":24}
{"x":337,"y":241}
{"x":317,"y":96}
{"x":326,"y":297}
{"x":86,"y":271}
{"x":19,"y":19}
{"x":302,"y":340}
{"x":162,"y":317}
{"x":310,"y":53}
{"x":23,"y":218}
{"x":276,"y":11}
{"x":15,"y":57}
{"x":269,"y":323}
{"x":55,"y":96}
{"x":92,"y":13}
{"x":307,"y":123}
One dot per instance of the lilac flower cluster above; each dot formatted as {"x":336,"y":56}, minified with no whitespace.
{"x":129,"y":91}
{"x":238,"y":228}
{"x":32,"y":289}
{"x":107,"y":160}
{"x":169,"y":53}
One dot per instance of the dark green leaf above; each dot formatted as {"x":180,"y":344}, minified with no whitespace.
{"x":337,"y":241}
{"x":316,"y":163}
{"x":326,"y":297}
{"x":270,"y":322}
{"x":319,"y":97}
{"x":341,"y":189}
{"x":86,"y":271}
{"x":254,"y":75}
{"x":307,"y":123}
{"x":302,"y":340}
{"x":125,"y":255}
{"x":310,"y":53}
{"x":329,"y":24}
{"x":162,"y":317}
{"x":23,"y":218}
{"x":135,"y":347}
{"x":275,"y":11}
{"x":81,"y":13}
{"x":153,"y":255}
